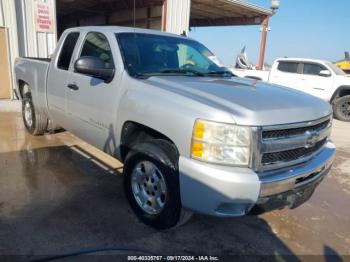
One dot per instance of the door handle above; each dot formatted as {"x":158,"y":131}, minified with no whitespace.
{"x":73,"y":87}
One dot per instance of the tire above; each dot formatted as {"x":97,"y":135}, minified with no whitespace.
{"x":146,"y":165}
{"x":341,"y":108}
{"x":35,"y":123}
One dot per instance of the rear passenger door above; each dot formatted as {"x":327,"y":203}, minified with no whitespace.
{"x":92,"y":104}
{"x":286,"y":73}
{"x":58,"y":77}
{"x":311,"y":81}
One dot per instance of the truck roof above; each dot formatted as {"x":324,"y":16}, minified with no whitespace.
{"x":121,"y":29}
{"x":302,"y":60}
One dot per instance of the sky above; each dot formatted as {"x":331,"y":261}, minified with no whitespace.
{"x":300,"y":28}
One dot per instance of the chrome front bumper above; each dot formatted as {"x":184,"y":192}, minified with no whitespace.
{"x":229,"y":191}
{"x":292,"y":178}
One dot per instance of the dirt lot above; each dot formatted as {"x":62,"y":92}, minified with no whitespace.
{"x":60,"y":195}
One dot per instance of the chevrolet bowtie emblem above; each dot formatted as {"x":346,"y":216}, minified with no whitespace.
{"x":312,"y":139}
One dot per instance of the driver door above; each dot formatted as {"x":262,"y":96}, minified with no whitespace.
{"x":91,"y":101}
{"x":312,"y":82}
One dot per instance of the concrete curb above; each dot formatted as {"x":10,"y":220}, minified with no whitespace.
{"x":10,"y":106}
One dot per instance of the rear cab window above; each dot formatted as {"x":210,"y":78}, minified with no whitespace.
{"x":67,"y":50}
{"x":288,"y":67}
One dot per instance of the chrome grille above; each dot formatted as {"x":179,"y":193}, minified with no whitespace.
{"x":287,"y":145}
{"x":294,"y":131}
{"x":290,"y":155}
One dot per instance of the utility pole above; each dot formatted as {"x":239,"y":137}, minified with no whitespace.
{"x":275,"y":4}
{"x":265,"y":29}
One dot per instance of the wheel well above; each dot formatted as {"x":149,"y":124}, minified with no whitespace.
{"x":344,"y":92}
{"x":21,"y":88}
{"x":133,"y":132}
{"x":341,"y":91}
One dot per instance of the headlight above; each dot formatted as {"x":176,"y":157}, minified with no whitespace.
{"x":221,"y":143}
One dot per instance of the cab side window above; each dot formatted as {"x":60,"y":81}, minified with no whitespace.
{"x":313,"y":69}
{"x":67,"y":50}
{"x":288,"y":67}
{"x":96,"y":45}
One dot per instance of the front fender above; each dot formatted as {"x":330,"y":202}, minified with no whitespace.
{"x":166,"y":112}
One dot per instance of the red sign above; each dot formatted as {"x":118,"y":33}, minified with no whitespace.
{"x":43,"y":18}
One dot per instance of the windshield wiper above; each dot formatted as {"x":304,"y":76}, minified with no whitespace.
{"x":141,"y":76}
{"x":181,"y":71}
{"x":223,"y":73}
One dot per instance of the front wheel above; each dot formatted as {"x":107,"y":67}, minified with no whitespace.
{"x":341,"y":108}
{"x":151,"y":184}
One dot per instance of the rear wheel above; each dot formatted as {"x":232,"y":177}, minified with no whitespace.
{"x":151,"y":184}
{"x":35,"y":122}
{"x":341,"y":108}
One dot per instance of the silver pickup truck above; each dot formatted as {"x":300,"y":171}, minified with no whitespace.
{"x":192,"y":136}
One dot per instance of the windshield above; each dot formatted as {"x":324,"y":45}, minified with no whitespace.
{"x":336,"y":69}
{"x":149,"y":55}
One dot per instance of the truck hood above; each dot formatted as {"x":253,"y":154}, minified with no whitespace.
{"x":249,"y":102}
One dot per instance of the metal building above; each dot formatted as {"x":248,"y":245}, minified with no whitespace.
{"x":20,"y":35}
{"x":32,"y":27}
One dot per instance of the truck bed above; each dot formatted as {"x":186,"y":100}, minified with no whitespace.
{"x":33,"y":71}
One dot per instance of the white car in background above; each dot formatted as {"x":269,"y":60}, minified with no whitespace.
{"x":316,"y":77}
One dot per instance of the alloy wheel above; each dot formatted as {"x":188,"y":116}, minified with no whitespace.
{"x":149,"y":187}
{"x":28,"y":114}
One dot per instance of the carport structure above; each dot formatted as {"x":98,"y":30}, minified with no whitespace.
{"x":176,"y":16}
{"x":226,"y":12}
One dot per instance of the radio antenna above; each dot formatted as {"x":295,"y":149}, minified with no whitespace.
{"x":134,"y":14}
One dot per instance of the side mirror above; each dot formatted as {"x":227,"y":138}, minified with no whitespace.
{"x":95,"y":67}
{"x":325,"y":73}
